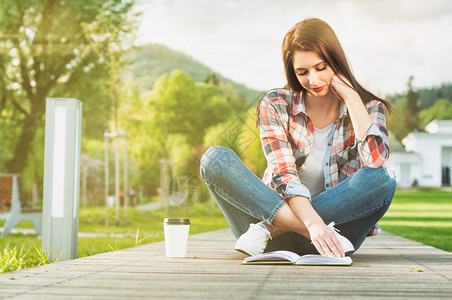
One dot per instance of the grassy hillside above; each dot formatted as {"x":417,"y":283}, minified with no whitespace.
{"x":147,"y":63}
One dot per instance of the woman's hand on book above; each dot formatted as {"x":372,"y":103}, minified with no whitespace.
{"x":325,"y":241}
{"x":323,"y":237}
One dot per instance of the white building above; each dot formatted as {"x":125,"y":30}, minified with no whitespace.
{"x":427,"y":159}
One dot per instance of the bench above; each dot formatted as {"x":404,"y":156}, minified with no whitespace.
{"x":12,"y":209}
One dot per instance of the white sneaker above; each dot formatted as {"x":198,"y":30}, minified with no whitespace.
{"x":347,"y":246}
{"x":254,"y":241}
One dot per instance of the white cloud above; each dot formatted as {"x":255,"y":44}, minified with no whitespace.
{"x":386,"y":41}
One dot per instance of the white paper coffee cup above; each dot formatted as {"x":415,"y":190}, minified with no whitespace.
{"x":176,"y":236}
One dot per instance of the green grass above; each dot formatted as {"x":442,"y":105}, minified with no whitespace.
{"x":14,"y":258}
{"x":203,"y":216}
{"x":423,"y":215}
{"x":142,"y":227}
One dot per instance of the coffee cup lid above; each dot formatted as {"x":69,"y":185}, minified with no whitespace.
{"x":176,"y":221}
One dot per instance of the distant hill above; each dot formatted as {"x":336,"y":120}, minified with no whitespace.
{"x":150,"y":61}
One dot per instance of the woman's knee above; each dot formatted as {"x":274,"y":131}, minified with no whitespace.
{"x":383,"y":179}
{"x":388,"y":179}
{"x":215,"y":159}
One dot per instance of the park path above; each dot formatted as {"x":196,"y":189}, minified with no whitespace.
{"x":147,"y":206}
{"x":386,"y":267}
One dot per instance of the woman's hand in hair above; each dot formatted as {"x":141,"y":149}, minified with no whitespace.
{"x":357,"y":111}
{"x":342,"y":88}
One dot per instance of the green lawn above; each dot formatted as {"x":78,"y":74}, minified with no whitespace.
{"x":142,"y":227}
{"x":424,"y":215}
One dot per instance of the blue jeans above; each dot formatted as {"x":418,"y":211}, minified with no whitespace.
{"x":355,"y":205}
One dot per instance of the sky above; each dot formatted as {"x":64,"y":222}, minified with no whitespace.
{"x":385,"y":41}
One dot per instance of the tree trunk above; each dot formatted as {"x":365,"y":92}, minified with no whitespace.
{"x":19,"y":161}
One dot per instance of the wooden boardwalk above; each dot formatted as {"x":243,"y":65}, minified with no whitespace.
{"x":386,"y":267}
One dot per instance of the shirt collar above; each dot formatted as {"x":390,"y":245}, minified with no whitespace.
{"x":300,"y":107}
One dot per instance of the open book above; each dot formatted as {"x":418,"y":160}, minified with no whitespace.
{"x":288,"y":257}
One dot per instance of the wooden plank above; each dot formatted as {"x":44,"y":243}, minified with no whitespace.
{"x":384,"y":267}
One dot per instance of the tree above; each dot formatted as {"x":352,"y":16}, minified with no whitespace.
{"x":110,"y":35}
{"x":44,"y":52}
{"x":250,"y":145}
{"x":144,"y":144}
{"x":181,"y":152}
{"x":224,"y":134}
{"x":442,"y":110}
{"x":171,"y":123}
{"x":181,"y":106}
{"x":411,"y":112}
{"x":212,"y":79}
{"x":393,"y":121}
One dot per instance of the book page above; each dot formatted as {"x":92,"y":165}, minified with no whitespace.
{"x":313,"y":259}
{"x":273,"y":256}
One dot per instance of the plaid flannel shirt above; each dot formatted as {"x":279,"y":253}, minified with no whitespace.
{"x":287,"y":143}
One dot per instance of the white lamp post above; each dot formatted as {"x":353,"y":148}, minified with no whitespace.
{"x":61,"y":178}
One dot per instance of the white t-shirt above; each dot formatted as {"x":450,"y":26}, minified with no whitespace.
{"x":311,"y":172}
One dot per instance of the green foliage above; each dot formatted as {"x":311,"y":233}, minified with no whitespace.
{"x":212,"y":78}
{"x":181,"y":152}
{"x":8,"y":134}
{"x":442,"y":110}
{"x":144,"y":148}
{"x":171,"y":123}
{"x":149,"y":62}
{"x":217,"y":105}
{"x":432,"y":103}
{"x":34,"y":170}
{"x":411,"y":111}
{"x":180,"y":106}
{"x":175,"y":107}
{"x":393,"y":121}
{"x":250,"y":145}
{"x":43,"y":256}
{"x":427,"y":97}
{"x":53,"y":49}
{"x":240,"y":134}
{"x":146,"y":158}
{"x":14,"y":258}
{"x":224,"y":134}
{"x":108,"y":36}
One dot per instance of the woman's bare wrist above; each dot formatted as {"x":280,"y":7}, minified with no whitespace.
{"x":303,"y":209}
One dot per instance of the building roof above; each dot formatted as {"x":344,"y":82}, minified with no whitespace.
{"x":405,"y":157}
{"x":438,"y":131}
{"x":439,"y":126}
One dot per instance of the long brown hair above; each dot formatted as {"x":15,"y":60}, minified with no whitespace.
{"x":316,"y":35}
